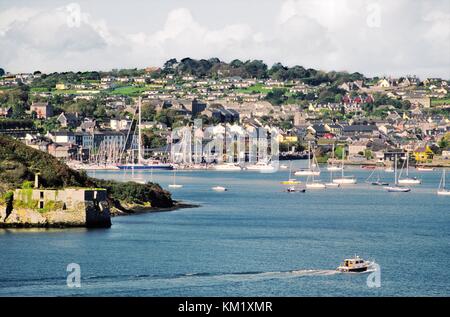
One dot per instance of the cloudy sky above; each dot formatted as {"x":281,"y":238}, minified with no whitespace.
{"x":378,"y":37}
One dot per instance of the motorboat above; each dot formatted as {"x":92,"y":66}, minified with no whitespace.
{"x":355,"y":264}
{"x":292,"y":189}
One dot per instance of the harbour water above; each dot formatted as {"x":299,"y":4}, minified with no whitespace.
{"x":253,"y":240}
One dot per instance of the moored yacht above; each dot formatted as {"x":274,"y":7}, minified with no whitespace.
{"x":344,"y":180}
{"x":396,"y":188}
{"x":442,"y":191}
{"x":260,"y":166}
{"x":227,"y":167}
{"x":408,"y":180}
{"x":312,"y":170}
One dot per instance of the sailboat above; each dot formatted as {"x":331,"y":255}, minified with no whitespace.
{"x":396,"y":188}
{"x":378,"y":181}
{"x":290,"y":181}
{"x":442,"y":191}
{"x":314,"y":184}
{"x":332,"y":167}
{"x":174,"y":184}
{"x":407,"y":179}
{"x":141,"y":164}
{"x":331,"y":184}
{"x":309,"y":171}
{"x":344,"y":180}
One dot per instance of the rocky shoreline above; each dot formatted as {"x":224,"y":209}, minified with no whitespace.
{"x":140,"y":209}
{"x":28,"y":218}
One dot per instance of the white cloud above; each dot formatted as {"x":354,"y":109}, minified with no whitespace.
{"x":412,"y":37}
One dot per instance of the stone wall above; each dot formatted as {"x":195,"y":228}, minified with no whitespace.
{"x":62,"y":208}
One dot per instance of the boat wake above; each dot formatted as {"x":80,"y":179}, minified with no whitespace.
{"x":118,"y":284}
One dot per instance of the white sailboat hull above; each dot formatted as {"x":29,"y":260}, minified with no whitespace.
{"x":332,"y":185}
{"x":307,"y":173}
{"x":397,"y":189}
{"x":410,"y":181}
{"x":227,"y":168}
{"x":219,"y":189}
{"x":315,"y":186}
{"x":334,"y":168}
{"x":425,"y":169}
{"x":443,"y":192}
{"x":344,"y":181}
{"x":260,"y":168}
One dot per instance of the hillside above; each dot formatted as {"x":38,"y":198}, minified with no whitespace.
{"x":19,"y":163}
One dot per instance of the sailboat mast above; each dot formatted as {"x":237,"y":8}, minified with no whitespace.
{"x":395,"y":169}
{"x":309,"y":155}
{"x":407,"y":163}
{"x":342,"y":167}
{"x":139,"y":133}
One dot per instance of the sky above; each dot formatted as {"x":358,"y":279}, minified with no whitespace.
{"x":376,"y":38}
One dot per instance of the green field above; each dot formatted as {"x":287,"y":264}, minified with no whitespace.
{"x":258,"y":88}
{"x":129,"y":90}
{"x":440,"y":102}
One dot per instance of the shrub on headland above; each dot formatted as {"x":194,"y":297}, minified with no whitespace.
{"x":19,"y":164}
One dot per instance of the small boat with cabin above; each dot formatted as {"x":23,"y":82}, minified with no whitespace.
{"x":355,"y":264}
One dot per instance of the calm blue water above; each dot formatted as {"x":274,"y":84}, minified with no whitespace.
{"x":254,"y":240}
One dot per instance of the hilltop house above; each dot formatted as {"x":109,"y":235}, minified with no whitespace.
{"x":43,"y":110}
{"x":68,"y":120}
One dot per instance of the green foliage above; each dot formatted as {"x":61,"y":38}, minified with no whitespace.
{"x":27,"y":185}
{"x":339,"y":151}
{"x":19,"y":163}
{"x":276,"y":96}
{"x":134,"y":193}
{"x":368,"y":154}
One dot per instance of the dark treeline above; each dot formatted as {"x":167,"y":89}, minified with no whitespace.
{"x":215,"y":68}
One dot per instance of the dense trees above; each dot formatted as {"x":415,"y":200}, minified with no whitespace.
{"x":19,"y":163}
{"x":2,"y":72}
